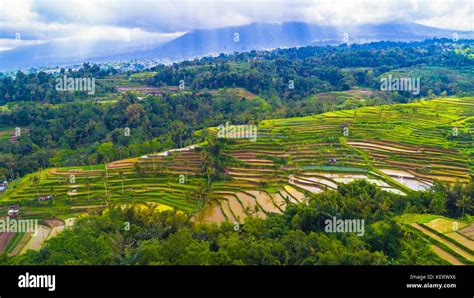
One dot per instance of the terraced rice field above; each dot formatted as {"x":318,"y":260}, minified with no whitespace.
{"x":400,"y":148}
{"x":19,"y":243}
{"x":446,"y":256}
{"x":468,"y":231}
{"x":37,"y":239}
{"x":4,"y":239}
{"x":446,"y":238}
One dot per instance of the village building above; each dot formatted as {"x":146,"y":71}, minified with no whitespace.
{"x":45,"y":198}
{"x":3,"y":185}
{"x":13,"y":211}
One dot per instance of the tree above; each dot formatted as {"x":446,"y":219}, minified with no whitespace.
{"x":214,"y":159}
{"x":431,"y":94}
{"x":201,"y":192}
{"x":107,"y":151}
{"x":464,"y":203}
{"x":438,"y":203}
{"x":134,"y":113}
{"x":77,"y":247}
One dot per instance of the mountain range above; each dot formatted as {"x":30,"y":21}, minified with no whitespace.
{"x":202,"y":42}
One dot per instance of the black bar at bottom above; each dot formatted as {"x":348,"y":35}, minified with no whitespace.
{"x":289,"y":281}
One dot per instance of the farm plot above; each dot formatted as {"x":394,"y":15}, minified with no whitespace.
{"x":239,"y":205}
{"x":37,"y":239}
{"x":445,"y":255}
{"x":5,"y":238}
{"x":468,"y":231}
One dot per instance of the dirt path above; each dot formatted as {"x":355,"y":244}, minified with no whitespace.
{"x":166,"y":153}
{"x":455,"y":248}
{"x":374,"y":169}
{"x":445,"y":255}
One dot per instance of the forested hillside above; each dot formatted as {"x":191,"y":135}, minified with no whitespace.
{"x":243,"y":158}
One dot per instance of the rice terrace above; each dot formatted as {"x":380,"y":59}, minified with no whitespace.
{"x":400,"y":148}
{"x":316,"y":147}
{"x":274,"y":134}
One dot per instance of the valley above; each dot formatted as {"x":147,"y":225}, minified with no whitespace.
{"x":246,"y":149}
{"x":399,"y":148}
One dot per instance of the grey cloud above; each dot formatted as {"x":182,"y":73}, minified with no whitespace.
{"x":58,"y":19}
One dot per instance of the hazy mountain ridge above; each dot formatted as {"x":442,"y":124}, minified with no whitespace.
{"x":201,"y":42}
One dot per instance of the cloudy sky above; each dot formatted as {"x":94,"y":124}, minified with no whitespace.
{"x":25,"y":22}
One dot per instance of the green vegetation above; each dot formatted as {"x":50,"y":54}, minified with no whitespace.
{"x":296,"y":237}
{"x":413,"y":142}
{"x":245,"y":87}
{"x":329,"y":144}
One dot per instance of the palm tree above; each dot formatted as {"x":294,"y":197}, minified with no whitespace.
{"x":464,"y":203}
{"x":10,"y":163}
{"x":214,"y":159}
{"x":201,"y":193}
{"x":384,"y":206}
